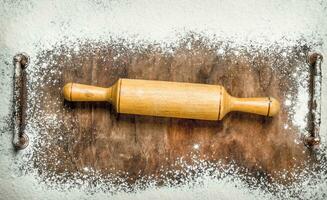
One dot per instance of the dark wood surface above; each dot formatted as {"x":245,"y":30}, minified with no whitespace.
{"x":93,"y":136}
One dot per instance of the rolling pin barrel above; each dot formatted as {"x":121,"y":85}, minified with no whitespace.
{"x":171,"y":99}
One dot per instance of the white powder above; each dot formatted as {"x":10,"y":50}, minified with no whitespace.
{"x":196,"y":146}
{"x":32,"y":26}
{"x":301,"y":106}
{"x":47,"y":22}
{"x":288,"y":102}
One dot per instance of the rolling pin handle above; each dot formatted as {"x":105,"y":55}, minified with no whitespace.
{"x":266,"y":106}
{"x":81,"y":92}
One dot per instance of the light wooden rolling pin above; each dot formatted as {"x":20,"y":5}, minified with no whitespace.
{"x":171,"y":99}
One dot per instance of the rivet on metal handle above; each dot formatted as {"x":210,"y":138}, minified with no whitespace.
{"x":20,"y":139}
{"x":313,"y":139}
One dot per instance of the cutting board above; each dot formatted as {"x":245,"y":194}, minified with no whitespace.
{"x":79,"y":138}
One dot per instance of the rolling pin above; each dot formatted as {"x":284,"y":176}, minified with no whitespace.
{"x":171,"y":99}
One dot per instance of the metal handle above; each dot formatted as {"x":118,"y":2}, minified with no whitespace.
{"x":313,"y":139}
{"x":20,"y":139}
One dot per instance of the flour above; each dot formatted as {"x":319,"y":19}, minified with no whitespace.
{"x":301,"y":107}
{"x":45,"y":23}
{"x":34,"y":26}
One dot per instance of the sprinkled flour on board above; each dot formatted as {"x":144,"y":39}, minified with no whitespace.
{"x":241,"y":25}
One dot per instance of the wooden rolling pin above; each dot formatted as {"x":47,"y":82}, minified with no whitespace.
{"x":171,"y":99}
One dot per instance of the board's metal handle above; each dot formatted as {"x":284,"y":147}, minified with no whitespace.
{"x":313,"y":139}
{"x":20,"y":139}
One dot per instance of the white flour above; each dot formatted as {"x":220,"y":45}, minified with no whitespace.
{"x":32,"y":26}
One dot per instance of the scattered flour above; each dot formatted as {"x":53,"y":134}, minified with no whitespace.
{"x":301,"y":106}
{"x":32,"y":26}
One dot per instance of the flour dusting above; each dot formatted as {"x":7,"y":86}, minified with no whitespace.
{"x":254,"y":27}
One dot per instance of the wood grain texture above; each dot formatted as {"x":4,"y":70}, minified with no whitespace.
{"x":171,"y":99}
{"x":95,"y":136}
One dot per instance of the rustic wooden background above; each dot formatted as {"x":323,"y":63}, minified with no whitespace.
{"x":93,"y":136}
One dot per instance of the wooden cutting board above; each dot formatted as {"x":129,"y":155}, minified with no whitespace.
{"x":92,"y":136}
